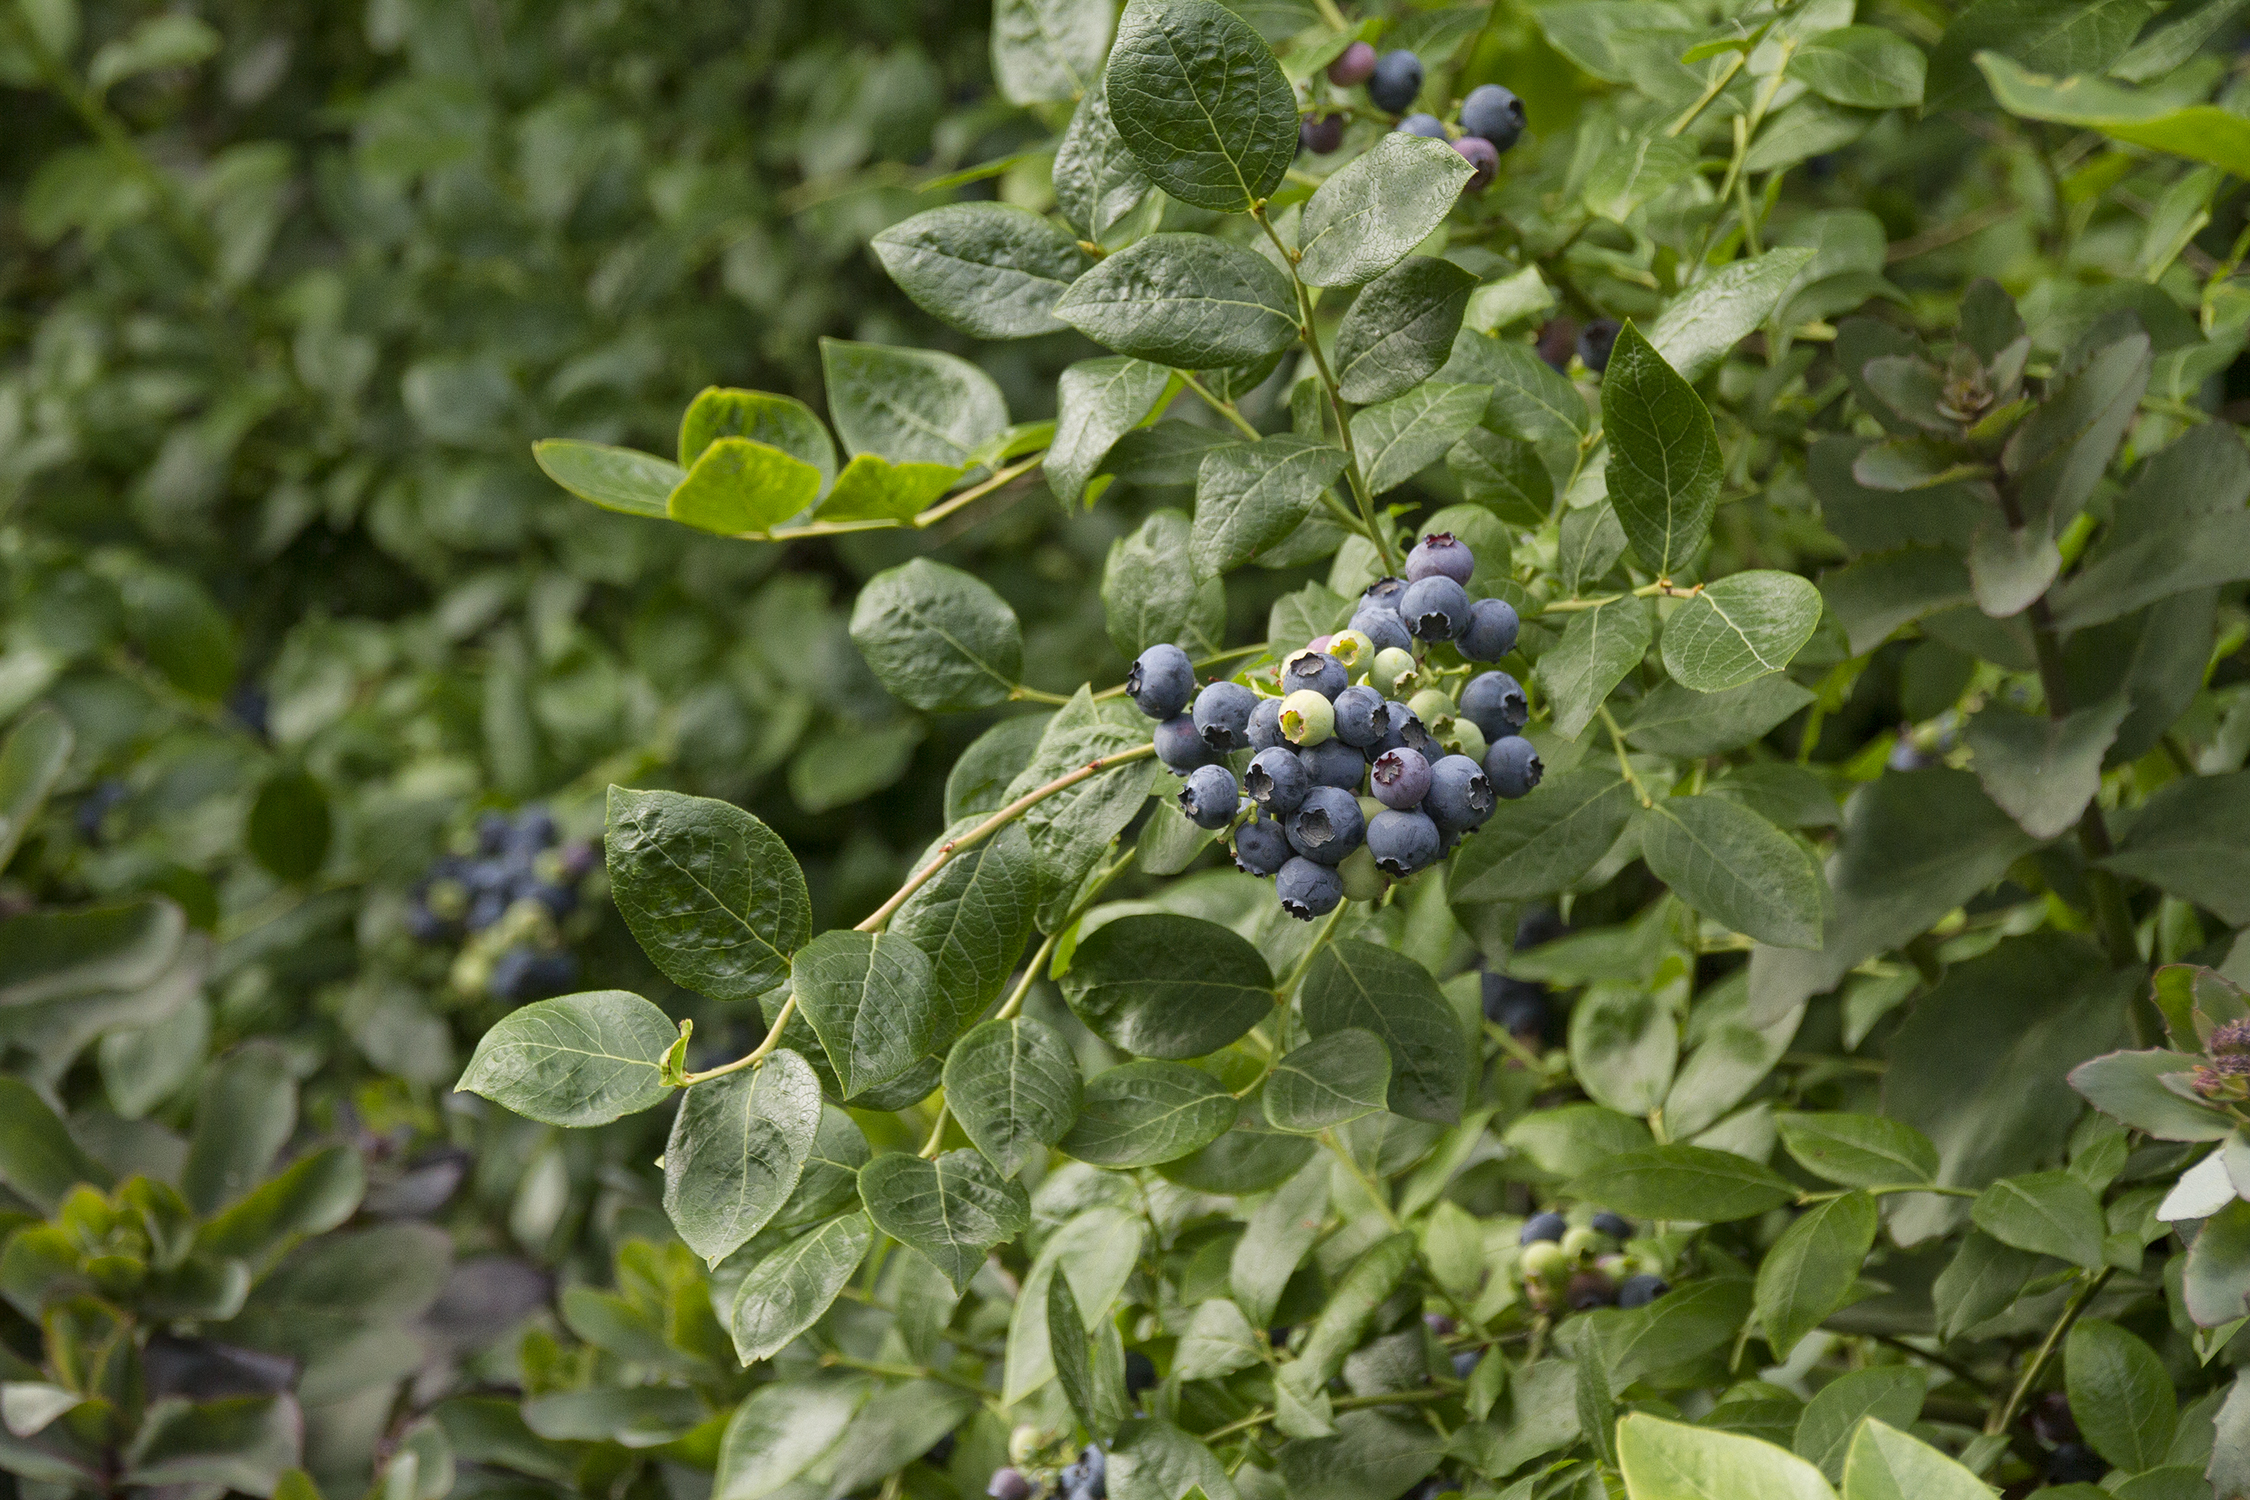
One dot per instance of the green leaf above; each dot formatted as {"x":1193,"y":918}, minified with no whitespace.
{"x":712,"y":895}
{"x":1632,"y":168}
{"x":1097,"y":1249}
{"x":580,"y":1060}
{"x":1098,"y":401}
{"x":1504,"y":475}
{"x":1329,"y":1081}
{"x":2155,"y":119}
{"x":1678,"y":721}
{"x":789,"y":1291}
{"x":2074,"y":36}
{"x":1143,"y":1113}
{"x":244,"y":1117}
{"x":1091,"y":1370}
{"x":1832,"y":1419}
{"x":1358,"y":985}
{"x":737,"y":1148}
{"x":988,"y":269}
{"x":1541,"y":844}
{"x":1672,"y":1461}
{"x":2049,"y":1213}
{"x":2216,"y":1283}
{"x":972,"y":919}
{"x":872,"y":1001}
{"x":829,"y":1183}
{"x":235,"y":1443}
{"x":1701,"y":326}
{"x":312,"y":1195}
{"x":1184,"y":300}
{"x":1677,"y":1328}
{"x":1047,"y":51}
{"x":1736,"y":868}
{"x":1982,"y":1281}
{"x":2192,"y":840}
{"x":1398,"y":439}
{"x":1166,"y":986}
{"x":1886,"y":1464}
{"x":910,"y":405}
{"x":1249,"y":497}
{"x":32,"y":758}
{"x":781,"y":422}
{"x":1730,"y":1058}
{"x":1015,"y":1088}
{"x":1598,"y":647}
{"x":1874,"y":595}
{"x":2064,"y":447}
{"x":1739,"y":629}
{"x":1150,"y":592}
{"x":1400,"y":328}
{"x":162,"y":41}
{"x":2120,"y":1396}
{"x":782,"y":1430}
{"x":1097,"y":181}
{"x":2190,"y":552}
{"x":939,"y":639}
{"x":1866,"y":67}
{"x":1664,"y":460}
{"x":289,"y":827}
{"x":1281,"y":1230}
{"x":1857,"y":1150}
{"x":1370,"y":213}
{"x":1372,"y":1453}
{"x":1218,"y":1341}
{"x":1810,"y":1270}
{"x":38,"y":1159}
{"x":949,"y":1211}
{"x":1198,"y":99}
{"x":1373,"y":1277}
{"x":2129,"y":1087}
{"x":740,"y":486}
{"x":1679,"y":1181}
{"x":1153,"y":1460}
{"x":2043,"y":773}
{"x":1071,"y":830}
{"x":1304,"y":613}
{"x":1588,"y":544}
{"x":1530,"y":398}
{"x":872,"y":488}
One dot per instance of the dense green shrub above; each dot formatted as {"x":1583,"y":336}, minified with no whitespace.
{"x":1808,"y":955}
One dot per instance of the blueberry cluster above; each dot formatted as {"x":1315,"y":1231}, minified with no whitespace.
{"x":1085,"y":1478}
{"x":503,"y":904}
{"x":1584,"y":1266}
{"x":1361,"y":764}
{"x":1490,"y":121}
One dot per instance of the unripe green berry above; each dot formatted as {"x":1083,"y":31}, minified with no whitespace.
{"x":1362,"y":881}
{"x":1307,"y":718}
{"x":1390,"y":667}
{"x":1369,"y":807}
{"x":1543,"y":1260}
{"x":1024,"y":1443}
{"x":1434,"y":707}
{"x":1580,"y":1242}
{"x":1466,"y":738}
{"x":1352,"y":648}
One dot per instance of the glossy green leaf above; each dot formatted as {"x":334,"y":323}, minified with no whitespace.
{"x":712,"y":895}
{"x":38,"y":1159}
{"x":1331,"y":1080}
{"x":910,"y":405}
{"x":581,"y":1060}
{"x":737,"y":1148}
{"x":972,"y":919}
{"x":1599,"y":646}
{"x":1089,"y":1364}
{"x":1249,"y":497}
{"x":2199,"y":132}
{"x":873,"y":488}
{"x":1097,"y":181}
{"x":1399,"y":438}
{"x":1371,"y":212}
{"x":1143,"y":1113}
{"x":1672,"y":1461}
{"x":619,"y":479}
{"x":245,"y":1115}
{"x":1701,"y":326}
{"x":939,"y":639}
{"x":312,"y":1195}
{"x":2043,"y":772}
{"x":1014,"y":1086}
{"x":990,"y":270}
{"x":1372,"y":1453}
{"x":1097,"y":1249}
{"x":1184,"y":300}
{"x":950,"y":1211}
{"x":1218,"y":1341}
{"x":2120,"y":1395}
{"x":1355,"y":984}
{"x":872,"y":1001}
{"x":1400,"y":328}
{"x":1503,"y":474}
{"x":236,"y":1443}
{"x":1541,"y":844}
{"x":1886,"y":1464}
{"x":781,"y":422}
{"x":2192,"y":840}
{"x":1736,"y":868}
{"x":739,"y":486}
{"x":1199,"y":100}
{"x":1866,"y":67}
{"x":1664,"y":462}
{"x":1098,"y":401}
{"x":829,"y":1183}
{"x":1679,"y":1181}
{"x":1810,"y":1270}
{"x":1833,"y":1419}
{"x":1739,"y":629}
{"x":1164,"y":986}
{"x":2130,"y":1087}
{"x":1857,"y":1150}
{"x":1150,"y":591}
{"x":2178,"y":556}
{"x":2050,"y":1213}
{"x":782,"y":1429}
{"x":791,"y":1289}
{"x":1044,"y":51}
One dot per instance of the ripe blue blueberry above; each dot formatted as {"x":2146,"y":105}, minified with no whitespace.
{"x":1327,"y":825}
{"x":1209,"y":798}
{"x":492,"y":833}
{"x":1429,"y":127}
{"x":1396,"y":80}
{"x":1516,"y":1006}
{"x":1402,"y":842}
{"x":1484,"y":162}
{"x":1383,"y":593}
{"x":1546,"y":1226}
{"x":1435,"y":608}
{"x":1595,"y":343}
{"x":1492,"y":630}
{"x":1333,"y":763}
{"x":1222,"y":715}
{"x":1087,"y":1479}
{"x":1180,"y":747}
{"x":1494,"y":113}
{"x":1161,"y":682}
{"x":1277,"y":779}
{"x":1361,"y":719}
{"x":1383,"y":627}
{"x":1616,"y":1226}
{"x":1308,"y":890}
{"x":1409,"y":732}
{"x":1460,"y":796}
{"x":424,"y":925}
{"x":487,"y":908}
{"x":1352,"y":65}
{"x":1265,"y":725}
{"x":1320,"y":134}
{"x":1314,"y":670}
{"x":1494,"y":702}
{"x":1441,"y":554}
{"x":1512,"y":766}
{"x":1401,"y":778}
{"x":1261,"y":848}
{"x":1641,"y":1290}
{"x":1465,"y":1363}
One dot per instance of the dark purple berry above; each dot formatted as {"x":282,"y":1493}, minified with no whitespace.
{"x":1320,"y":134}
{"x":1400,"y":777}
{"x":1546,"y":1226}
{"x":1595,"y":343}
{"x":1352,"y":66}
{"x":1483,"y":158}
{"x":1441,"y":554}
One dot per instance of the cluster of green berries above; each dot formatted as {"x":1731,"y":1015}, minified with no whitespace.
{"x":1361,"y":765}
{"x":1491,"y":118}
{"x":1577,"y":1268}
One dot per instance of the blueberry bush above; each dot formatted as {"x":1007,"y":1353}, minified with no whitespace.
{"x":1274,"y":751}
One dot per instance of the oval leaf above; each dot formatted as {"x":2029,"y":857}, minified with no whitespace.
{"x":581,"y":1060}
{"x":1149,"y":1112}
{"x":1166,"y":986}
{"x":1329,"y":1081}
{"x":1197,"y":97}
{"x":991,"y":270}
{"x":712,"y":895}
{"x":871,"y":1001}
{"x":1739,"y":629}
{"x":1014,"y":1086}
{"x":737,"y":1148}
{"x":938,"y":639}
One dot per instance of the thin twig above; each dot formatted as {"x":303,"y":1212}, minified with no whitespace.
{"x":2005,"y":1417}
